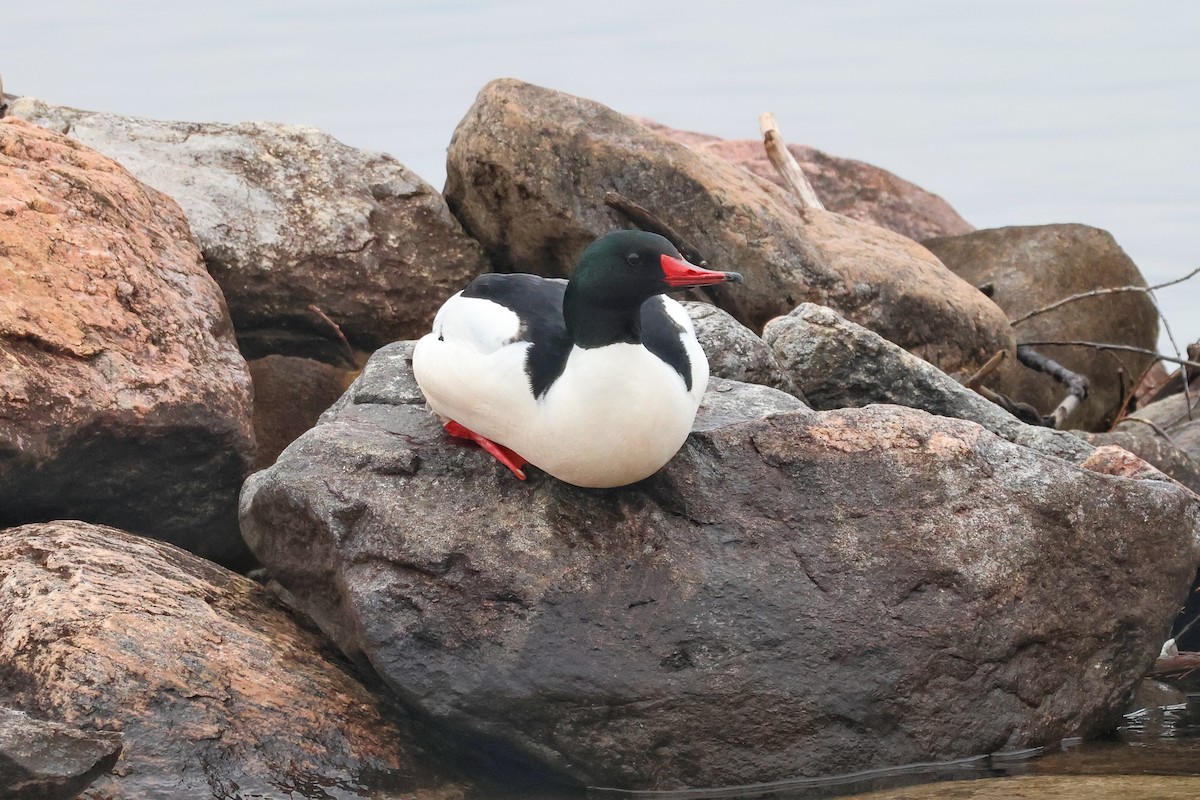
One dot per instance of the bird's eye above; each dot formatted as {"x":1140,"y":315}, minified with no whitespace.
{"x":633,"y":260}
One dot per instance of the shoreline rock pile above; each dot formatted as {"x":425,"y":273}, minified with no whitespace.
{"x":854,"y":561}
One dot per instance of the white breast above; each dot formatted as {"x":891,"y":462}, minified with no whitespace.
{"x":614,"y":416}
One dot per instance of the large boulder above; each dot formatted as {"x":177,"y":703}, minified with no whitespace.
{"x":121,"y":379}
{"x":288,"y":217}
{"x":216,"y":690}
{"x":854,"y":188}
{"x":838,"y":364}
{"x":1030,"y":268}
{"x":528,"y":168}
{"x":796,"y":593}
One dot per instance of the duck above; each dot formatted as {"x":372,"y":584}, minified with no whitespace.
{"x":595,"y":381}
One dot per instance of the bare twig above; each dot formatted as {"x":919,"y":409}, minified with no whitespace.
{"x":1187,"y":392}
{"x":1154,"y":425}
{"x":785,"y":163}
{"x":1077,"y":385}
{"x":1099,"y":292}
{"x":1022,"y":411}
{"x":348,"y":351}
{"x":1128,"y":396}
{"x":648,"y":221}
{"x":1183,"y":373}
{"x":1123,"y":347}
{"x":1149,"y":291}
{"x":987,"y":369}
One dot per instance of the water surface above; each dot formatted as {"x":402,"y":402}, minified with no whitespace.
{"x":1022,"y":112}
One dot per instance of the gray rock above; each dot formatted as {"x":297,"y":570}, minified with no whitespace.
{"x":41,"y":760}
{"x":838,"y":364}
{"x":1147,"y":444}
{"x":731,"y":402}
{"x":799,"y":593}
{"x":287,"y":216}
{"x":1032,"y":267}
{"x":734,"y":351}
{"x":1172,"y":416}
{"x":1165,"y":434}
{"x":528,"y":168}
{"x":217,"y":691}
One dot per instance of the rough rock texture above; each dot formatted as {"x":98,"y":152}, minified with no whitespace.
{"x":1165,"y":434}
{"x":1171,"y":415}
{"x":290,"y":394}
{"x":1051,"y":787}
{"x":119,"y":375}
{"x":1033,"y":267}
{"x":42,"y":760}
{"x":217,"y":691}
{"x":527,"y":170}
{"x":287,"y":216}
{"x":1148,"y":445}
{"x":734,"y":351}
{"x":795,"y":594}
{"x":853,"y":188}
{"x":838,"y":364}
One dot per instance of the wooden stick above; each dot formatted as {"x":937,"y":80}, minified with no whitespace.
{"x":785,"y":163}
{"x":1077,"y":385}
{"x":648,"y":221}
{"x":1022,"y":411}
{"x":987,"y":369}
{"x":348,"y":351}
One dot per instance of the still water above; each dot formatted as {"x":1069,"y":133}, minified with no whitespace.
{"x":1155,"y":755}
{"x":1021,"y":112}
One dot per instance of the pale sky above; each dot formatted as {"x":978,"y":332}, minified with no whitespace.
{"x":1022,"y":112}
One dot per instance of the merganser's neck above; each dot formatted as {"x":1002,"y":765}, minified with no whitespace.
{"x":594,"y":325}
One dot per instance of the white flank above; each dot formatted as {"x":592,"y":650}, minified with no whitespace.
{"x":616,"y":415}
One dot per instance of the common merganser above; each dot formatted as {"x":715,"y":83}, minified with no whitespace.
{"x":595,"y":380}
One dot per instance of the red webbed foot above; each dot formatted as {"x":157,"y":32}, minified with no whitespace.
{"x":499,"y":452}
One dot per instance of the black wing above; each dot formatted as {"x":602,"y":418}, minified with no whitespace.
{"x":538,"y":303}
{"x":663,"y":336}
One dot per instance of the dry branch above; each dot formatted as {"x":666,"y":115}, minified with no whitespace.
{"x":1153,"y":425}
{"x":347,"y":350}
{"x":785,"y":163}
{"x":648,"y":221}
{"x":1077,"y":385}
{"x":1022,"y":411}
{"x":1176,"y":665}
{"x":1098,"y":293}
{"x":987,"y":369}
{"x":1123,"y":347}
